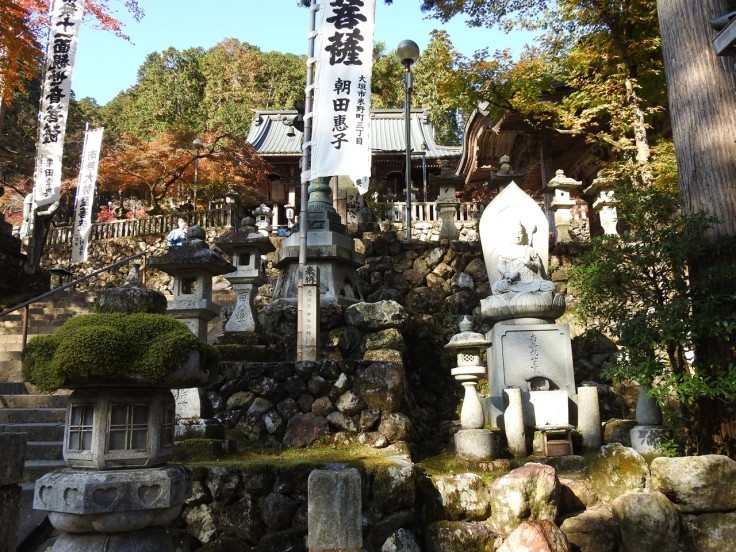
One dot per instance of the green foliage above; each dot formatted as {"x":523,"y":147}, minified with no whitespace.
{"x":637,"y":287}
{"x":109,"y":345}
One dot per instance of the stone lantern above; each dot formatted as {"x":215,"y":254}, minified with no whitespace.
{"x":246,"y":248}
{"x":604,"y":203}
{"x":263,"y":219}
{"x":192,"y":267}
{"x":472,"y":442}
{"x":118,"y":492}
{"x":446,"y":184}
{"x":562,"y":203}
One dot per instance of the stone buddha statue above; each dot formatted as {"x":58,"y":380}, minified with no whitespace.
{"x":521,"y":288}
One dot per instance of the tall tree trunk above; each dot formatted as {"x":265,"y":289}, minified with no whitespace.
{"x":702,"y":96}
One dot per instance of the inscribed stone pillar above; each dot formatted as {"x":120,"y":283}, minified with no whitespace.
{"x":589,"y":418}
{"x":334,"y":511}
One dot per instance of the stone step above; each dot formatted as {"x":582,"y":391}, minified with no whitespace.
{"x":6,"y":356}
{"x":26,"y":400}
{"x":11,"y":371}
{"x":33,"y":469}
{"x":44,"y":450}
{"x":13,"y":388}
{"x":49,"y":431}
{"x":31,"y":415}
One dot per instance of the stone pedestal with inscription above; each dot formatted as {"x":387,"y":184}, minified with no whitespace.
{"x":537,"y":359}
{"x":308,"y":341}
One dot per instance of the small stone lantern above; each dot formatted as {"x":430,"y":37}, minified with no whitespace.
{"x":472,"y":442}
{"x":445,"y":185}
{"x":192,"y":268}
{"x":263,"y":219}
{"x":562,"y":203}
{"x":246,"y":248}
{"x":604,"y":203}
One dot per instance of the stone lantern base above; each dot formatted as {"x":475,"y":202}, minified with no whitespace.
{"x":476,"y":445}
{"x":113,"y":510}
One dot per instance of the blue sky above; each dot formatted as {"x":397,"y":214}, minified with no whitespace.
{"x":106,"y":65}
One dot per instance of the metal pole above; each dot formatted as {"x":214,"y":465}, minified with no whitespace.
{"x":407,"y":122}
{"x":306,"y":167}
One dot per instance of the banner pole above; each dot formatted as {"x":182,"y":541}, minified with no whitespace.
{"x":306,"y":167}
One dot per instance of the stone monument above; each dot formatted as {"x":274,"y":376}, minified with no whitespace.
{"x":329,"y":249}
{"x":529,"y":350}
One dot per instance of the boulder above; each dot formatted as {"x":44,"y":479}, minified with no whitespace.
{"x":240,"y":520}
{"x":592,"y":530}
{"x":401,"y":541}
{"x":477,"y":270}
{"x":241,"y":400}
{"x":711,"y":532}
{"x":536,"y":536}
{"x":425,"y":299}
{"x":697,"y":483}
{"x":376,"y":316}
{"x":529,"y":492}
{"x":381,"y":385}
{"x":389,"y":338}
{"x":396,"y":427}
{"x":464,"y":497}
{"x":322,"y":407}
{"x":394,"y":486}
{"x":303,"y":429}
{"x":647,"y":521}
{"x":618,"y":431}
{"x":462,"y":281}
{"x":200,"y":522}
{"x":278,"y":511}
{"x":342,"y":422}
{"x":350,"y":404}
{"x":576,"y":495}
{"x":384,"y":355}
{"x":617,"y":471}
{"x":459,"y":536}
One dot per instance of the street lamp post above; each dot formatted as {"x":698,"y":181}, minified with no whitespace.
{"x":408,"y":52}
{"x":198,"y":145}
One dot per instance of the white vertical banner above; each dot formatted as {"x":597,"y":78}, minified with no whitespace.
{"x":86,"y":194}
{"x":66,"y":16}
{"x":341,"y":132}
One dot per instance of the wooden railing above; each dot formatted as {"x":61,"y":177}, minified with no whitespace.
{"x":422,"y":211}
{"x":157,"y":224}
{"x":428,"y":211}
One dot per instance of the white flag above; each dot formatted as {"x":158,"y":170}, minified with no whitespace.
{"x":341,"y":133}
{"x":66,"y":16}
{"x":86,"y":194}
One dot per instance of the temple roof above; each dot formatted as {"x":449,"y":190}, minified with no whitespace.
{"x":269,"y":134}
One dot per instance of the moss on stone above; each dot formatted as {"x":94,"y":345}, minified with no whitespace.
{"x":111,"y":344}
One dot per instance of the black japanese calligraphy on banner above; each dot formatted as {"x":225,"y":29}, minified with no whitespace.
{"x":86,"y":194}
{"x":341,"y":129}
{"x":66,"y":16}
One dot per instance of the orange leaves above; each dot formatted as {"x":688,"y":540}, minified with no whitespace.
{"x":22,"y":37}
{"x":166,"y":164}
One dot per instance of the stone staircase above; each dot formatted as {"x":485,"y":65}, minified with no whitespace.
{"x":23,"y":409}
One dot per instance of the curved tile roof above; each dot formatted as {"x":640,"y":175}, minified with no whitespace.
{"x":269,"y":134}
